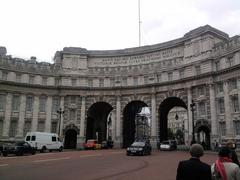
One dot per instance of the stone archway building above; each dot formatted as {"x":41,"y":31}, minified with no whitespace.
{"x":203,"y":66}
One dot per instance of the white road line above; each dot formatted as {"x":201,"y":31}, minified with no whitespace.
{"x":2,"y":165}
{"x":94,"y":155}
{"x":46,"y":160}
{"x":116,"y":152}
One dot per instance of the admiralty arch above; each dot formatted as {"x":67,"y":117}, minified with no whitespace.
{"x":101,"y":91}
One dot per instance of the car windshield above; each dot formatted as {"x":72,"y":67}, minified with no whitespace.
{"x":138,"y":144}
{"x":165,"y":142}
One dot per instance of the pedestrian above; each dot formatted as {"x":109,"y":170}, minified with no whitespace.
{"x":224,"y":168}
{"x":194,"y":168}
{"x":231,"y":145}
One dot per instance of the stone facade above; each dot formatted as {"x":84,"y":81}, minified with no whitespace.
{"x":203,"y":66}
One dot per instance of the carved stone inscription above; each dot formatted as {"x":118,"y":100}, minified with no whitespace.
{"x":136,"y":59}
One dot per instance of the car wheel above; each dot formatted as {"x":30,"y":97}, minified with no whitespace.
{"x":43,"y":149}
{"x":60,"y":149}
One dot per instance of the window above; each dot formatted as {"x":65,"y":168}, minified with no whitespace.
{"x":44,"y":81}
{"x":27,"y":127}
{"x":170,"y":76}
{"x":201,"y":91}
{"x":220,"y":87}
{"x":135,"y":81}
{"x":222,"y":128}
{"x":54,"y":127}
{"x":18,"y":77}
{"x":159,"y":77}
{"x":202,"y":109}
{"x":57,"y":82}
{"x":221,"y":106}
{"x":233,"y":84}
{"x":2,"y":101}
{"x":74,"y":82}
{"x":198,"y":70}
{"x":41,"y":126}
{"x":237,"y":127}
{"x":33,"y":138}
{"x":28,"y":138}
{"x":124,"y":81}
{"x":90,"y":82}
{"x":54,"y":139}
{"x":15,"y":103}
{"x":101,"y":82}
{"x":217,"y":64}
{"x":181,"y":73}
{"x":1,"y":127}
{"x":29,"y":103}
{"x":72,"y":114}
{"x":145,"y":79}
{"x":31,"y":79}
{"x":4,"y":75}
{"x":230,"y":61}
{"x":42,"y":103}
{"x":235,"y":103}
{"x":55,"y":104}
{"x":73,"y":99}
{"x":13,"y":129}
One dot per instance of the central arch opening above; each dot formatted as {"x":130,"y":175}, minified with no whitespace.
{"x":129,"y":114}
{"x":164,"y":109}
{"x":97,"y":121}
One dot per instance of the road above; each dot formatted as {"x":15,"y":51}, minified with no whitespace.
{"x":94,"y":165}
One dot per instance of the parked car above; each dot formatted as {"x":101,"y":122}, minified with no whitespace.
{"x":139,"y":148}
{"x":18,"y":148}
{"x":168,"y":145}
{"x":107,"y":144}
{"x":92,"y":144}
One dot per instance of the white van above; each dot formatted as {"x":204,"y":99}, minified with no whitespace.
{"x":43,"y":141}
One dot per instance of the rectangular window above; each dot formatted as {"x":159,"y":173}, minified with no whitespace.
{"x":73,"y":99}
{"x":221,"y":106}
{"x":55,"y":104}
{"x":74,"y":82}
{"x":124,"y":81}
{"x":44,"y":81}
{"x":41,"y":126}
{"x":233,"y":84}
{"x":1,"y":127}
{"x":15,"y":103}
{"x":42,"y":103}
{"x":198,"y":70}
{"x":57,"y":81}
{"x":101,"y":82}
{"x":222,"y":128}
{"x":220,"y":87}
{"x":90,"y":82}
{"x":202,"y":109}
{"x":31,"y":79}
{"x":237,"y":127}
{"x":27,"y":127}
{"x":135,"y":81}
{"x":217,"y":64}
{"x":18,"y":78}
{"x":33,"y":138}
{"x":201,"y":91}
{"x":29,"y":103}
{"x":72,"y":114}
{"x":159,"y":77}
{"x":28,"y":138}
{"x":4,"y":75}
{"x":13,"y":129}
{"x":170,"y":76}
{"x":2,"y":101}
{"x":235,"y":103}
{"x":181,"y":73}
{"x":54,"y":127}
{"x":54,"y":139}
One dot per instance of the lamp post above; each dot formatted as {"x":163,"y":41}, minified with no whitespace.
{"x":192,"y":105}
{"x":60,"y":112}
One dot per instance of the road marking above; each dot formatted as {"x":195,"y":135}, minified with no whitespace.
{"x":46,"y":160}
{"x":2,"y":165}
{"x":94,"y":155}
{"x":116,"y":152}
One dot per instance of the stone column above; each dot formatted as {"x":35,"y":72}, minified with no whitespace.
{"x":213,"y":110}
{"x":7,"y":119}
{"x":238,"y":87}
{"x":113,"y":125}
{"x":48,"y":114}
{"x":35,"y":113}
{"x":118,"y":121}
{"x":83,"y":114}
{"x":62,"y":118}
{"x":190,"y":125}
{"x":153,"y":121}
{"x":229,"y":121}
{"x":21,"y":120}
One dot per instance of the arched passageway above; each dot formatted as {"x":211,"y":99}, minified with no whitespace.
{"x":97,"y":121}
{"x":164,"y":108}
{"x":203,"y":136}
{"x":129,"y":114}
{"x":70,"y":140}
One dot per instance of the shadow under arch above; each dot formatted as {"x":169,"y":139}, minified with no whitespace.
{"x":164,"y":108}
{"x":203,"y":135}
{"x":70,"y":140}
{"x":129,"y":113}
{"x":97,"y":117}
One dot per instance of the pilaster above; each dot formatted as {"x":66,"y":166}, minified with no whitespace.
{"x":62,"y":118}
{"x":21,"y":120}
{"x":35,"y":113}
{"x":213,"y":110}
{"x":83,"y":115}
{"x":48,"y":114}
{"x":7,"y":119}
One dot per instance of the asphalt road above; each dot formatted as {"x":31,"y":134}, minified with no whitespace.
{"x":94,"y":165}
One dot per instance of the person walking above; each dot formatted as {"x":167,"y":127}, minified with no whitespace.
{"x":231,"y":145}
{"x":224,"y":168}
{"x":194,"y":168}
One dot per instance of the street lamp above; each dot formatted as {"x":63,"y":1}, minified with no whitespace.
{"x":192,"y":105}
{"x":60,"y":112}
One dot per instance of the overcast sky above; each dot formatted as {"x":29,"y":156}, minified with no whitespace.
{"x":42,"y":27}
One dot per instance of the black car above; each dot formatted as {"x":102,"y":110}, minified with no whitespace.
{"x":18,"y":148}
{"x":139,"y":148}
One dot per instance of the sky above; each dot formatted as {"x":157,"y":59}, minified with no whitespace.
{"x":41,"y":27}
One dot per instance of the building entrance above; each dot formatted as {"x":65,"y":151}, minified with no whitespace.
{"x":70,"y":140}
